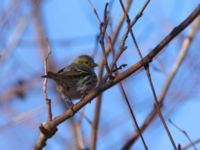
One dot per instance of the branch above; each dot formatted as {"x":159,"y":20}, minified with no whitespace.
{"x":48,"y":101}
{"x":189,"y":145}
{"x":184,"y":132}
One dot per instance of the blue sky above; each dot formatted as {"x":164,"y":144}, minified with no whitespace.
{"x":71,"y":28}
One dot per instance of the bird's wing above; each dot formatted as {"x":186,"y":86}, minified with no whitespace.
{"x":74,"y":70}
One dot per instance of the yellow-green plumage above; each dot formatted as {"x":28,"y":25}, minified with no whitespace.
{"x":77,"y":79}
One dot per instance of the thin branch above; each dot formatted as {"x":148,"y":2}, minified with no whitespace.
{"x":139,"y":65}
{"x":184,"y":132}
{"x":189,"y":145}
{"x":40,"y":33}
{"x":85,"y":117}
{"x":132,"y":115}
{"x":103,"y":27}
{"x":94,"y":9}
{"x":48,"y":101}
{"x":78,"y":135}
{"x":95,"y":123}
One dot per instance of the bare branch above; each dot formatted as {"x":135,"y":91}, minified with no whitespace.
{"x":48,"y":101}
{"x":184,"y":132}
{"x":189,"y":145}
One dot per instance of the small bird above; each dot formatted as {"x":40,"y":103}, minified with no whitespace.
{"x":76,"y":80}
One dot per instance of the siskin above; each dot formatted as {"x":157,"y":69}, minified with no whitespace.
{"x":75,"y":80}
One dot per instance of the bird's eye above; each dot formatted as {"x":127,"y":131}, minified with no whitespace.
{"x":87,"y":62}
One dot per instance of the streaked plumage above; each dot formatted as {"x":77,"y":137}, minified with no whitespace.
{"x":77,"y":79}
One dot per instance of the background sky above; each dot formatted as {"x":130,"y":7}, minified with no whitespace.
{"x":72,"y":28}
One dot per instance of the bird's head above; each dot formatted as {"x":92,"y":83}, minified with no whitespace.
{"x":85,"y":60}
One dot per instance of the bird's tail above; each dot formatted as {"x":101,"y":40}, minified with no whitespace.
{"x":50,"y":75}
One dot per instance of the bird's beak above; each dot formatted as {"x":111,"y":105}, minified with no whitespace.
{"x":95,"y":65}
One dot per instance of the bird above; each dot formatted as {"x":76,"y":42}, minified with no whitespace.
{"x":75,"y":80}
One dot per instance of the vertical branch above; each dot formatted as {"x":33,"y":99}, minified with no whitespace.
{"x":132,"y":115}
{"x":184,"y":132}
{"x":189,"y":145}
{"x":48,"y":101}
{"x":95,"y":123}
{"x":103,"y":27}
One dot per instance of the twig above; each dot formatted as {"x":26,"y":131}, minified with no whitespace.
{"x":94,"y":9}
{"x":85,"y":117}
{"x":133,"y":115}
{"x":48,"y":101}
{"x":103,"y":27}
{"x":95,"y":123}
{"x":78,"y":135}
{"x":173,"y":72}
{"x":119,"y":68}
{"x":148,"y":58}
{"x":184,"y":132}
{"x":189,"y":145}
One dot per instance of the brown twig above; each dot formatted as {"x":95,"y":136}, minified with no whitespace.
{"x":184,"y":132}
{"x":132,"y":115}
{"x":147,"y":59}
{"x":94,"y":9}
{"x":189,"y":145}
{"x":103,"y":27}
{"x":95,"y":123}
{"x":85,"y":117}
{"x":48,"y":101}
